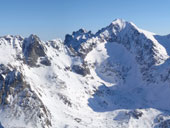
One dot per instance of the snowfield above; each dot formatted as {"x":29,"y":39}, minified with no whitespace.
{"x":118,"y":77}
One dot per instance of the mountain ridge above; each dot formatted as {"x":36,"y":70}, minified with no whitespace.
{"x":117,"y":77}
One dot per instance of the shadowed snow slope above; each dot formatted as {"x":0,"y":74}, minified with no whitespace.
{"x":116,"y":78}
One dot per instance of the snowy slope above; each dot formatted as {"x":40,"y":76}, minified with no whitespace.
{"x":116,"y":78}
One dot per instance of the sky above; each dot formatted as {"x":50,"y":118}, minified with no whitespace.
{"x":51,"y":19}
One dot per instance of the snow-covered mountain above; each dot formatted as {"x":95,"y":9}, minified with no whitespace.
{"x":118,"y":77}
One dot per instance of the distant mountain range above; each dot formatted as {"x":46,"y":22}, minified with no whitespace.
{"x":118,"y":77}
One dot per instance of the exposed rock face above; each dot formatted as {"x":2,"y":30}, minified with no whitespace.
{"x":77,"y":38}
{"x":80,"y":70}
{"x":136,"y":114}
{"x":12,"y":85}
{"x":45,"y":61}
{"x":164,"y":124}
{"x":33,"y":49}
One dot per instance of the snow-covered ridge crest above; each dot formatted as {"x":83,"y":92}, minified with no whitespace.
{"x":125,"y":33}
{"x":120,"y":24}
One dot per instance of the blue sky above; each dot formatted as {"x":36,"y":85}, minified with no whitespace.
{"x":50,"y":19}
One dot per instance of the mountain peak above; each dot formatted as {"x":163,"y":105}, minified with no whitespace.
{"x":33,"y":37}
{"x":117,"y":26}
{"x":82,"y":30}
{"x":118,"y":22}
{"x":77,"y":37}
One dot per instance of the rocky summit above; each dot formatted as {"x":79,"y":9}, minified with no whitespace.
{"x":118,"y":77}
